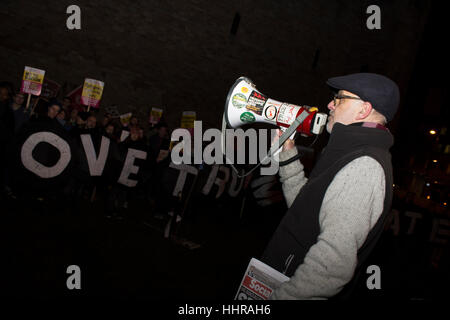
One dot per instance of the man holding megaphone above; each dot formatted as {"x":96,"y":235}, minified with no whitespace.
{"x":337,"y":214}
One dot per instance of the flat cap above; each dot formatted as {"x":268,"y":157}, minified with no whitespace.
{"x":380,"y":91}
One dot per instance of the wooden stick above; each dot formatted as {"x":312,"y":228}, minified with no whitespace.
{"x":34,"y":106}
{"x":28,"y":101}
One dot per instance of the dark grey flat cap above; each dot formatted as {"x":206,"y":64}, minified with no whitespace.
{"x":380,"y":91}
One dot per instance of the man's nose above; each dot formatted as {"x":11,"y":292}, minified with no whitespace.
{"x":331,"y":105}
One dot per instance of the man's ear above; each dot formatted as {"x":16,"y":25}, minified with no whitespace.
{"x":365,"y":110}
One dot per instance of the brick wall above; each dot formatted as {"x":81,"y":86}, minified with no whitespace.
{"x":180,"y":54}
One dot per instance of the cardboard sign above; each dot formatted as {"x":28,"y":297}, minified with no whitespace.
{"x":92,"y":92}
{"x":259,"y":281}
{"x":125,"y":118}
{"x":50,"y":89}
{"x":155,"y":116}
{"x":187,"y":119}
{"x":124,"y":134}
{"x":32,"y":81}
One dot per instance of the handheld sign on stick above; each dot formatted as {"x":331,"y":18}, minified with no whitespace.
{"x":187,"y":121}
{"x":92,"y":93}
{"x":125,"y":118}
{"x":155,"y":116}
{"x":32,"y":82}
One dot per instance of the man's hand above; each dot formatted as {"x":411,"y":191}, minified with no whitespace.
{"x":289,"y":144}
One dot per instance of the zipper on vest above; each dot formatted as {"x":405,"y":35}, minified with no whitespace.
{"x":287,"y":263}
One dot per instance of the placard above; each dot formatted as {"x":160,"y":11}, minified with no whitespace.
{"x":187,"y":119}
{"x":92,"y":92}
{"x":32,"y":81}
{"x":155,"y":115}
{"x":50,"y":89}
{"x":125,"y":118}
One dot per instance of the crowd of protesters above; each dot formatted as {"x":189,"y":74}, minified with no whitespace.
{"x":15,"y":117}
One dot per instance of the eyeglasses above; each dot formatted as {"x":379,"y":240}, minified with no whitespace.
{"x":339,"y":97}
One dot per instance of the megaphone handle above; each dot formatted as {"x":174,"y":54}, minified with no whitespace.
{"x":286,"y":134}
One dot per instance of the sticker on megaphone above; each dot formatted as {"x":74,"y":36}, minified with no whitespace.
{"x":245,"y":104}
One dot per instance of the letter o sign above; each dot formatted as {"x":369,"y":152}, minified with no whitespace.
{"x":38,"y":168}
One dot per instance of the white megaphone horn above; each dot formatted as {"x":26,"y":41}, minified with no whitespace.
{"x":245,"y":104}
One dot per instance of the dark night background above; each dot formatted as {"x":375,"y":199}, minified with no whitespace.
{"x":184,"y":56}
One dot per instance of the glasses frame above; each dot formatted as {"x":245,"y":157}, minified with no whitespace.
{"x":340,"y":97}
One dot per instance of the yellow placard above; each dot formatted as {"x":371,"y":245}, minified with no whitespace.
{"x":187,"y":119}
{"x":33,"y":75}
{"x":92,"y":89}
{"x":125,"y":118}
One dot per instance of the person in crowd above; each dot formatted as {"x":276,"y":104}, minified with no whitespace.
{"x":81,"y":120}
{"x":39,"y":107}
{"x":47,"y":110}
{"x":117,"y":129}
{"x":85,"y":123}
{"x":158,"y":140}
{"x":83,"y":185}
{"x":158,"y":160}
{"x":134,"y":122}
{"x":106,"y":120}
{"x":91,"y":122}
{"x":120,"y":195}
{"x":53,"y":109}
{"x":22,"y":183}
{"x":61,"y":117}
{"x":6,"y":132}
{"x":18,"y":101}
{"x":21,"y":116}
{"x":110,"y":131}
{"x":73,"y":118}
{"x":67,"y":104}
{"x":5,"y":93}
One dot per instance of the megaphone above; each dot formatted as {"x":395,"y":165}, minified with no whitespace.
{"x":245,"y":104}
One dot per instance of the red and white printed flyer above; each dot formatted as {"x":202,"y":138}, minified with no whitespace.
{"x":259,"y":281}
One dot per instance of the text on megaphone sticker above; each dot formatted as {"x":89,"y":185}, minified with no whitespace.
{"x":256,"y":102}
{"x":247,"y":117}
{"x":239,"y":100}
